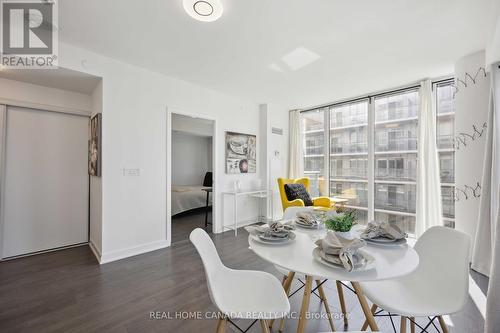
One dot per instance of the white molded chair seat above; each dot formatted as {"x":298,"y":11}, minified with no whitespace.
{"x":239,"y":294}
{"x":437,"y":287}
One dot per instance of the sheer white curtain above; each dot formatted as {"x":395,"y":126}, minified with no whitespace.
{"x":296,"y":156}
{"x":486,"y":253}
{"x":429,"y":209}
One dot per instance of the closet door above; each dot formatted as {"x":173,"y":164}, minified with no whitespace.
{"x":45,"y":181}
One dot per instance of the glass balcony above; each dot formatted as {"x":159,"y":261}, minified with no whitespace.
{"x":396,"y":107}
{"x":445,"y":141}
{"x":349,"y":115}
{"x":349,"y":168}
{"x":448,"y":199}
{"x":313,"y":120}
{"x":348,"y":141}
{"x":447,"y":167}
{"x":356,"y":193}
{"x":396,"y":137}
{"x":396,"y":167}
{"x":396,"y":197}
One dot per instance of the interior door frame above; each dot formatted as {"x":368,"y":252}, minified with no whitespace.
{"x":3,"y":137}
{"x":3,"y":144}
{"x":215,"y":151}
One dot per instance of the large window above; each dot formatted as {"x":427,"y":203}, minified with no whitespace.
{"x":445,"y":138}
{"x":395,"y":154}
{"x":377,"y":176}
{"x":349,"y":155}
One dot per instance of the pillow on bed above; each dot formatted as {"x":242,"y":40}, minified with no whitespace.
{"x":298,"y":191}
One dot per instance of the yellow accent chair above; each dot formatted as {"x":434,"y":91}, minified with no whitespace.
{"x":319,"y":202}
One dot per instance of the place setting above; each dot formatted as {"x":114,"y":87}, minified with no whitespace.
{"x":274,"y":233}
{"x":308,"y":220}
{"x":338,"y":252}
{"x":383,"y":234}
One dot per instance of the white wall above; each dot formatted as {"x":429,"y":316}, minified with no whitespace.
{"x":40,"y":97}
{"x":274,"y":152}
{"x":135,"y":101}
{"x":471,"y":108}
{"x":192,"y":125}
{"x":191,"y":158}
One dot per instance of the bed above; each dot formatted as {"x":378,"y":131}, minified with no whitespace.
{"x":187,"y":197}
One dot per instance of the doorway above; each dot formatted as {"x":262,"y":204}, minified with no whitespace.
{"x":190,"y":169}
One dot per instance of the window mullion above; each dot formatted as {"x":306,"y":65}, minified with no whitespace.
{"x":371,"y":159}
{"x":327,"y":150}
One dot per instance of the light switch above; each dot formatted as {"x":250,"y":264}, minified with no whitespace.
{"x":131,"y":172}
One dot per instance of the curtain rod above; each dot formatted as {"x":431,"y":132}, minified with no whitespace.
{"x":381,"y":93}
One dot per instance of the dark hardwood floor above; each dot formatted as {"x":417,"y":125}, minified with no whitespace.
{"x":184,"y":223}
{"x":67,"y":291}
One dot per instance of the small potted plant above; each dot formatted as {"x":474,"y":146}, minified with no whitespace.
{"x":342,"y":223}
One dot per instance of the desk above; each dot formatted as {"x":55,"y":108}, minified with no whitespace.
{"x":208,"y":190}
{"x":260,"y":194}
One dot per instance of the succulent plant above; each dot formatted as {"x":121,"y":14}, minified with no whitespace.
{"x":342,"y":222}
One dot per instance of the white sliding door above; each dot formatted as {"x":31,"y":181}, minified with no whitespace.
{"x":45,"y":203}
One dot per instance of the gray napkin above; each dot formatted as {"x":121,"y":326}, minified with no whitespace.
{"x":383,"y":229}
{"x":273,"y":229}
{"x":307,"y":218}
{"x":340,"y":251}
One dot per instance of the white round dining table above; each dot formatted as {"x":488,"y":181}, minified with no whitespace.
{"x":297,"y":257}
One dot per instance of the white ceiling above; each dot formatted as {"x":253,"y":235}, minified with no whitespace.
{"x":59,"y":78}
{"x":295,"y":53}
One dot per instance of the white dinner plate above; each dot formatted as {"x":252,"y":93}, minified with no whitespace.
{"x":385,"y":241}
{"x":369,"y":261}
{"x":306,"y":226}
{"x":273,"y":242}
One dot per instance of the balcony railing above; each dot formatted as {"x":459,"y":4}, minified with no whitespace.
{"x":397,"y":113}
{"x":445,"y":141}
{"x":348,"y":121}
{"x":347,"y":148}
{"x":403,"y":144}
{"x":356,"y":173}
{"x":396,"y":174}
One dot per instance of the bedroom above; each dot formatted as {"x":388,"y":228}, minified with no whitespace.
{"x":192,"y":167}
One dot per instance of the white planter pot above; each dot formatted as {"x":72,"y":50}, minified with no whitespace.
{"x":347,"y":235}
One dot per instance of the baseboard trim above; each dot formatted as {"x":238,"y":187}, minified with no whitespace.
{"x":132,"y":251}
{"x":95,"y":250}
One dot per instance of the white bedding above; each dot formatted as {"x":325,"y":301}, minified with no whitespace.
{"x":188,"y":197}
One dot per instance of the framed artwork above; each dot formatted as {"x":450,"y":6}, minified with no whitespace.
{"x":241,"y":153}
{"x":95,"y":145}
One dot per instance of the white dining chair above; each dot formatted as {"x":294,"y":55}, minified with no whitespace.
{"x":439,"y":286}
{"x":239,"y":294}
{"x":290,"y":214}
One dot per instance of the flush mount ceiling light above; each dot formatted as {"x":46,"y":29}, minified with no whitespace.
{"x":203,"y":10}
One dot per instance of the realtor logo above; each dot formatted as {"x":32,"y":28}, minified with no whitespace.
{"x":29,"y":34}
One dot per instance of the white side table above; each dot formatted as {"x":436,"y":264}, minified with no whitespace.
{"x":260,"y":194}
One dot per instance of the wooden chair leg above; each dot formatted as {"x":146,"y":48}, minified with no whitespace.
{"x":444,"y":327}
{"x":364,"y":305}
{"x":325,"y":303}
{"x":263,"y":326}
{"x":221,"y":325}
{"x":402,"y":328}
{"x":305,"y":305}
{"x":340,"y":291}
{"x":412,"y":325}
{"x":287,"y":284}
{"x":373,"y":310}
